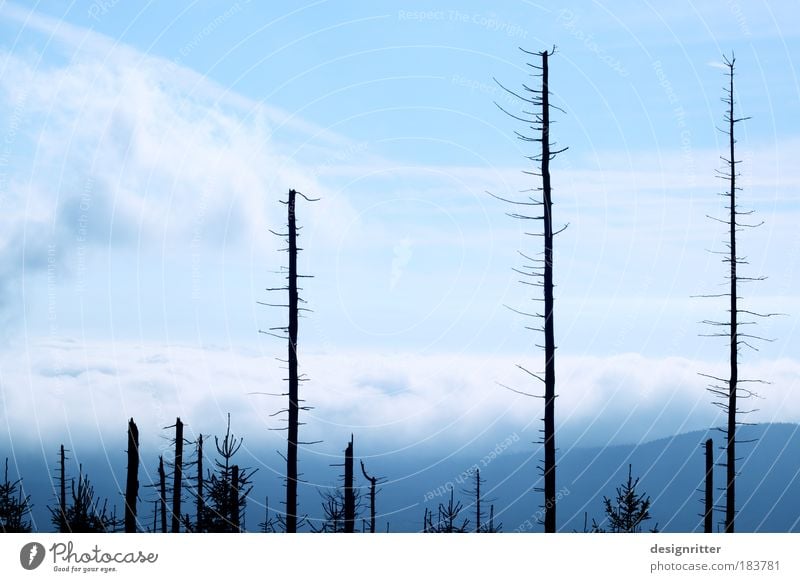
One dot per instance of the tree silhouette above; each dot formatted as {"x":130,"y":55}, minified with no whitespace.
{"x":481,"y":525}
{"x":199,"y":491}
{"x":85,"y":514}
{"x":333,"y":512}
{"x":349,"y":489}
{"x":61,"y":479}
{"x":708,"y":498}
{"x":477,"y":493}
{"x":195,"y":487}
{"x":628,"y":511}
{"x":492,"y":527}
{"x":268,"y":525}
{"x":373,"y":484}
{"x":539,"y":273}
{"x":15,"y":506}
{"x":132,"y":480}
{"x":227,"y":488}
{"x":177,"y":477}
{"x":289,"y":333}
{"x":340,"y":505}
{"x":448,"y":518}
{"x":162,"y":490}
{"x":730,"y":390}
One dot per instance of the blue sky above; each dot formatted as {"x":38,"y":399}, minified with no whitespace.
{"x":146,"y":145}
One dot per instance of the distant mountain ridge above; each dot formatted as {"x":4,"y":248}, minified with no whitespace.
{"x":671,"y":472}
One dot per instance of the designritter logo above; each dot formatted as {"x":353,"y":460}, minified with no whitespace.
{"x":31,"y":555}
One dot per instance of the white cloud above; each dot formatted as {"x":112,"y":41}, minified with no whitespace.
{"x":149,"y":155}
{"x":167,"y":161}
{"x":87,"y":390}
{"x":107,"y":147}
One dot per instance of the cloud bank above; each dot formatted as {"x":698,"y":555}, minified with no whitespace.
{"x":83,"y":391}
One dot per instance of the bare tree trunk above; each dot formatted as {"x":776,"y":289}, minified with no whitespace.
{"x":708,"y":516}
{"x":289,"y":332}
{"x":162,"y":480}
{"x":730,"y":496}
{"x":294,"y":405}
{"x":349,"y":492}
{"x":541,"y":268}
{"x":727,"y":389}
{"x":62,"y":499}
{"x":373,"y":482}
{"x":132,"y":481}
{"x":478,"y":516}
{"x":177,"y":477}
{"x":549,"y":333}
{"x":200,"y":501}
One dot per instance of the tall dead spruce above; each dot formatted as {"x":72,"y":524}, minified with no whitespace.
{"x":538,"y":272}
{"x":289,"y":333}
{"x":730,"y":390}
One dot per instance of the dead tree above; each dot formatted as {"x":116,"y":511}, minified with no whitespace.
{"x":478,"y":513}
{"x":373,"y":484}
{"x":132,"y":481}
{"x":177,"y":477}
{"x":162,"y":488}
{"x":476,"y":493}
{"x":85,"y":514}
{"x":349,"y":491}
{"x":730,"y":390}
{"x":492,"y":527}
{"x":539,"y":273}
{"x":268,"y":525}
{"x":61,"y":519}
{"x":199,"y":488}
{"x":340,"y":505}
{"x":196,"y":488}
{"x":708,"y":515}
{"x":289,"y":332}
{"x":294,"y":403}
